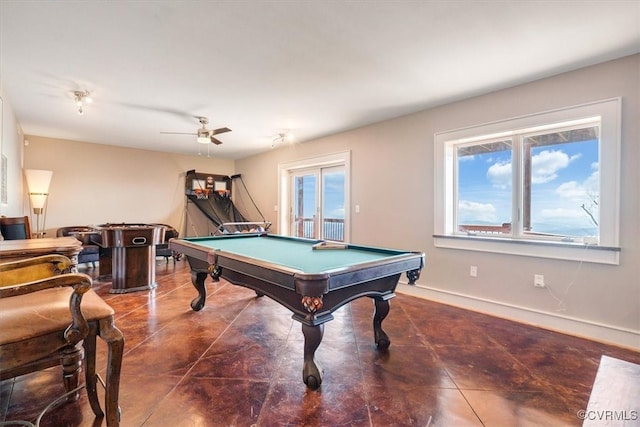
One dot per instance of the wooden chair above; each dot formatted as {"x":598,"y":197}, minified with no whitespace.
{"x":162,"y":249}
{"x":90,"y":251}
{"x":15,"y":228}
{"x":48,"y":318}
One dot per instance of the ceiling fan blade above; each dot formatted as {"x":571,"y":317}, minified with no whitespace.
{"x":220,"y":130}
{"x":203,"y":132}
{"x":179,"y":133}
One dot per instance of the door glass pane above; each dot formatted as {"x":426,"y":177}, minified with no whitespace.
{"x":564,"y":183}
{"x":333,"y":200}
{"x":484,"y":188}
{"x":304,"y":205}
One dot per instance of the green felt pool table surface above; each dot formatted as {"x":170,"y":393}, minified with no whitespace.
{"x":295,"y":253}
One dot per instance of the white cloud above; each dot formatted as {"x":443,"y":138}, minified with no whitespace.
{"x":546,"y":164}
{"x":474,"y":212}
{"x":499,"y":174}
{"x":571,"y":190}
{"x":592,"y":184}
{"x":574,"y":190}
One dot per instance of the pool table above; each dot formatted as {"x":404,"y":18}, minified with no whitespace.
{"x":311,"y":282}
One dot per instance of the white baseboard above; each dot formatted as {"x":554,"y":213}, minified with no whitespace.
{"x":569,"y":325}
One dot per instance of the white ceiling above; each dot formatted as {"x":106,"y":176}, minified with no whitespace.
{"x":261,"y":67}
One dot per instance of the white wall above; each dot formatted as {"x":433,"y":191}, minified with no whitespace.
{"x":11,"y":147}
{"x":393,"y":181}
{"x":94,"y":184}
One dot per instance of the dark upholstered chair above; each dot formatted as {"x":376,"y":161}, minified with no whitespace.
{"x":16,"y":228}
{"x":163,"y":248}
{"x":90,"y":251}
{"x":48,"y":318}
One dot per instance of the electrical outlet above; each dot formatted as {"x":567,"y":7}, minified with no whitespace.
{"x":538,"y":281}
{"x":473,"y":271}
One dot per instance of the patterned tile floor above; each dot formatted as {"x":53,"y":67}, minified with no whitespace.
{"x":238,"y":363}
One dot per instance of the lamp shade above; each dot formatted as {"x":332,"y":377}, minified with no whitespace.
{"x":38,"y":183}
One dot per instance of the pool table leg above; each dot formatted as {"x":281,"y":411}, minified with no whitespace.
{"x":197,"y":279}
{"x":311,"y":375}
{"x":381,"y":310}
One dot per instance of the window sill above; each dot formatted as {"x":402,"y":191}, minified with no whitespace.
{"x":532,"y":248}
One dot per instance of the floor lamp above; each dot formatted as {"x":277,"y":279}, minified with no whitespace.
{"x":38,"y":183}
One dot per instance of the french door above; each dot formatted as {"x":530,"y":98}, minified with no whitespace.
{"x":317,"y":202}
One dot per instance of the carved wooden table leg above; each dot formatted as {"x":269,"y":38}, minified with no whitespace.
{"x":381,"y":310}
{"x":311,"y":375}
{"x":197,"y":279}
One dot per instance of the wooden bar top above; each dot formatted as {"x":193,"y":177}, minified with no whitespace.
{"x":11,"y":250}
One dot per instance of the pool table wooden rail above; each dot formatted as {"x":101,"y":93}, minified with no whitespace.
{"x":266,"y":278}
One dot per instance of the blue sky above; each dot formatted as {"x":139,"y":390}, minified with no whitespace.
{"x":333,"y":195}
{"x":564,"y":177}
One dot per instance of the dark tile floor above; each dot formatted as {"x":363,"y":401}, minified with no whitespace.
{"x":238,"y":363}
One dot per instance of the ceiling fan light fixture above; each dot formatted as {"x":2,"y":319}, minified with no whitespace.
{"x":288,"y":138}
{"x":203,"y":136}
{"x":81,"y":97}
{"x":285,"y":137}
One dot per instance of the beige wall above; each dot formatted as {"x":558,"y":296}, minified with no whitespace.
{"x":393,"y":178}
{"x":94,"y":184}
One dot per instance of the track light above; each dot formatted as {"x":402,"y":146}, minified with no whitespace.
{"x":81,"y":97}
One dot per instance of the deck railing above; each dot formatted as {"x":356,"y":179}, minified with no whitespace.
{"x":333,"y":228}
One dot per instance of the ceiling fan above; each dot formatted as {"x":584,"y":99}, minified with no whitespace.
{"x":205,"y":135}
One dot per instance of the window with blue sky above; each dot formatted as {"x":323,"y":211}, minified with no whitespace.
{"x":558,"y":180}
{"x":550,"y":178}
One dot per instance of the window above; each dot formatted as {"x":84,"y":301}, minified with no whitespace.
{"x":314,"y":197}
{"x":541,"y":185}
{"x":318,"y":203}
